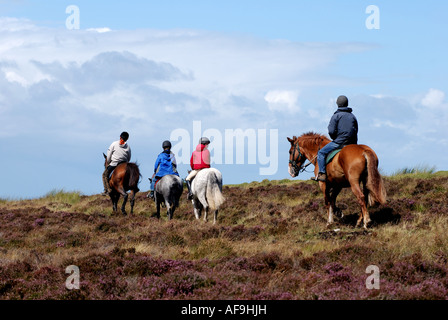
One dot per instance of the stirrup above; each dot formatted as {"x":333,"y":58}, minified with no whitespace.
{"x":321,"y":177}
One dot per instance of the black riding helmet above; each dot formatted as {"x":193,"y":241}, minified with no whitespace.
{"x":342,"y":102}
{"x":204,"y":141}
{"x":166,"y":144}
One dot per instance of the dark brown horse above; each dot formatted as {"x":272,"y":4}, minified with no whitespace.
{"x":125,"y":177}
{"x":354,"y":165}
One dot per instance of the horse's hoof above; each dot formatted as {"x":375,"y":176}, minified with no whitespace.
{"x":330,"y":225}
{"x":338,"y":213}
{"x":367,"y":224}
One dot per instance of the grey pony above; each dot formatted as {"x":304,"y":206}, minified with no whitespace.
{"x":168,"y":190}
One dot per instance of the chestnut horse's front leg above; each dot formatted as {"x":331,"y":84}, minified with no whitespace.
{"x":326,"y":191}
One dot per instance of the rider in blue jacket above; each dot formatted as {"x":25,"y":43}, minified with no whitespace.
{"x":165,"y":165}
{"x":343,"y":129}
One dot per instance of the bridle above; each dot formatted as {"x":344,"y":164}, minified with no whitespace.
{"x":294,"y":162}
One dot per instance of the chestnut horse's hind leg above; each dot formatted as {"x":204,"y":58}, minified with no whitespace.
{"x":364,"y":216}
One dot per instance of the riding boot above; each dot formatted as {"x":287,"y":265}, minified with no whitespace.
{"x":190,"y":194}
{"x":322,"y":177}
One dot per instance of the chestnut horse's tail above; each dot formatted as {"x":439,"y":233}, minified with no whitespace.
{"x":375,"y":185}
{"x":133,"y":172}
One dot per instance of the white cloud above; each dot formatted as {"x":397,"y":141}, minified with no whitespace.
{"x":433,"y":99}
{"x":283,"y":100}
{"x":12,"y":76}
{"x":100,"y":30}
{"x":9,"y":24}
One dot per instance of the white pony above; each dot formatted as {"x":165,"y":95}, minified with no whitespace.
{"x":207,"y":193}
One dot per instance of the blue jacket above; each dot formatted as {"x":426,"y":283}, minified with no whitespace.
{"x":343,"y":127}
{"x":165,"y":164}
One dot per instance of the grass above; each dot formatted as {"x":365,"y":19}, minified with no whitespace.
{"x":271,"y":242}
{"x":61,"y":196}
{"x":418,"y":171}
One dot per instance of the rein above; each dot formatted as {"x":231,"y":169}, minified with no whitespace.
{"x":302,"y":168}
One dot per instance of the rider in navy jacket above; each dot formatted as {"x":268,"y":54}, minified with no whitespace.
{"x":343,"y":129}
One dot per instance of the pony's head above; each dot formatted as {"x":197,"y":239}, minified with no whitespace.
{"x":296,"y":157}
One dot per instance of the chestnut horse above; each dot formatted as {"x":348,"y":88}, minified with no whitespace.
{"x":355,"y":164}
{"x":125,"y":177}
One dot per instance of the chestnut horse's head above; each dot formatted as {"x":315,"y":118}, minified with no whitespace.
{"x":296,"y":157}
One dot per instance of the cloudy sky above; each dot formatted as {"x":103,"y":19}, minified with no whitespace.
{"x":154,"y":68}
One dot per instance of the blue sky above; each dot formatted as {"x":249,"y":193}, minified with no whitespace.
{"x":65,"y":95}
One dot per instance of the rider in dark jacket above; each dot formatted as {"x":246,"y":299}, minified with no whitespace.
{"x":343,"y":129}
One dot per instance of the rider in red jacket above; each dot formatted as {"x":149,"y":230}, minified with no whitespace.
{"x":200,"y":159}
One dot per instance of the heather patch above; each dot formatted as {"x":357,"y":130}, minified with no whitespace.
{"x":270,"y":243}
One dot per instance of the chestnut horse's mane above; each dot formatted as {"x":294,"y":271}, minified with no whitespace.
{"x":310,"y":139}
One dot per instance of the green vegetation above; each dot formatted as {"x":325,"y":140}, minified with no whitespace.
{"x":418,"y":171}
{"x":63,"y":196}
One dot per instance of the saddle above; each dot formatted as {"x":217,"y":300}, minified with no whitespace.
{"x":157,"y":179}
{"x":332,"y":154}
{"x":110,"y":174}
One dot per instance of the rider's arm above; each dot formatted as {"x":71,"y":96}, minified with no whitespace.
{"x":333,"y":128}
{"x":173,"y":160}
{"x":156,"y":165}
{"x":110,"y":152}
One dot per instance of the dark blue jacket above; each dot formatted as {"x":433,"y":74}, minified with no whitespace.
{"x":165,"y":164}
{"x":343,"y":127}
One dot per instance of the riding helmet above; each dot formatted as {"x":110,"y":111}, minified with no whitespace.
{"x":166,"y":144}
{"x":342,"y":102}
{"x":204,"y":141}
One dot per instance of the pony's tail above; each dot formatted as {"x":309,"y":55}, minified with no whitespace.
{"x":214,"y":194}
{"x":134,"y":174}
{"x":375,"y":185}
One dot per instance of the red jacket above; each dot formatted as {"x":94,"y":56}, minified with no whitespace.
{"x":200,"y":159}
